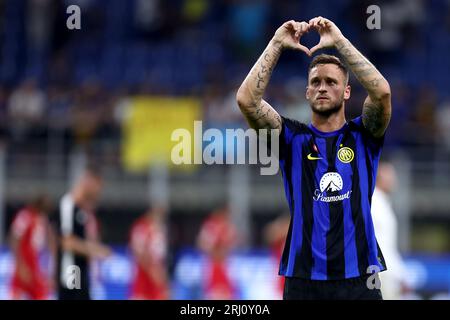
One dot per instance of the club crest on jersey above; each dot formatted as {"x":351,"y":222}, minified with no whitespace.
{"x":346,"y":154}
{"x":330,"y":182}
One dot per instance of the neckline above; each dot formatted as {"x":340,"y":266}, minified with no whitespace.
{"x":327,"y":134}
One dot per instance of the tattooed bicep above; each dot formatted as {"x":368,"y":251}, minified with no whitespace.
{"x":263,"y":116}
{"x":376,"y":116}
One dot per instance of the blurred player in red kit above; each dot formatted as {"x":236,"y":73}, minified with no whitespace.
{"x":148,"y":242}
{"x":30,"y":235}
{"x":218,"y":236}
{"x":275,"y":235}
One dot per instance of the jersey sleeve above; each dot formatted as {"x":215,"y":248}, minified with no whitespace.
{"x":373,"y":143}
{"x":374,"y":147}
{"x":289,"y":128}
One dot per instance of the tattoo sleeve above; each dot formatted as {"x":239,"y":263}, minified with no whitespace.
{"x":377,"y":106}
{"x":259,"y":114}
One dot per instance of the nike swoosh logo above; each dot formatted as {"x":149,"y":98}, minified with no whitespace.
{"x":310,"y":157}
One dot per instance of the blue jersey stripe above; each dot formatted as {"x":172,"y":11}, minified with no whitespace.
{"x":318,"y":242}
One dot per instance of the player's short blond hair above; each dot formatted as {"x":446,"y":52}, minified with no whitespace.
{"x":328,"y":59}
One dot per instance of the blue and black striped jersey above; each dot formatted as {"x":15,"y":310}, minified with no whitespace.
{"x":329,"y":179}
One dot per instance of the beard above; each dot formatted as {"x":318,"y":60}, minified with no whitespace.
{"x":328,"y":111}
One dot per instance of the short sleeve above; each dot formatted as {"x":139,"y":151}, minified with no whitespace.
{"x":289,"y":128}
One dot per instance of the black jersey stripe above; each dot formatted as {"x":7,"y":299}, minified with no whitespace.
{"x":369,"y":170}
{"x":287,"y":172}
{"x":287,"y":245}
{"x":304,"y":260}
{"x":335,"y":234}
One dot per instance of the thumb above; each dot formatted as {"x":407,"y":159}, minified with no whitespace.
{"x":303,"y":48}
{"x":315,"y":48}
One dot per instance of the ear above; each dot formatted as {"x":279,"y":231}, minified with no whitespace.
{"x":307,"y":94}
{"x":347,"y":92}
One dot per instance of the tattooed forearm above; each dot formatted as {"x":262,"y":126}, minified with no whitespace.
{"x":365,"y":72}
{"x":377,"y":107}
{"x":263,"y":116}
{"x":258,"y":112}
{"x":261,"y":112}
{"x":260,"y":74}
{"x":264,"y":71}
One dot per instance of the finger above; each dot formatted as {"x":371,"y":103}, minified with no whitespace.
{"x":304,"y":27}
{"x":316,"y":25}
{"x":287,"y":25}
{"x":319,"y":22}
{"x":315,"y":48}
{"x":322,"y":22}
{"x":290,"y":24}
{"x":326,"y":23}
{"x":325,"y":20}
{"x":313,"y":22}
{"x":297,"y":29}
{"x":303,"y":48}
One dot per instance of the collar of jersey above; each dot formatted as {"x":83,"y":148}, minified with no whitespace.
{"x":327,"y":134}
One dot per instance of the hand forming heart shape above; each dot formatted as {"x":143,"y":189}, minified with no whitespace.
{"x":289,"y":34}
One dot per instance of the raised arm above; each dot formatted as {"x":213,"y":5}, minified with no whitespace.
{"x":87,"y":248}
{"x":259,"y":113}
{"x":376,"y":111}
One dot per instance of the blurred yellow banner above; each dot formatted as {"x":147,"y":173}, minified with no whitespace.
{"x":148,"y":127}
